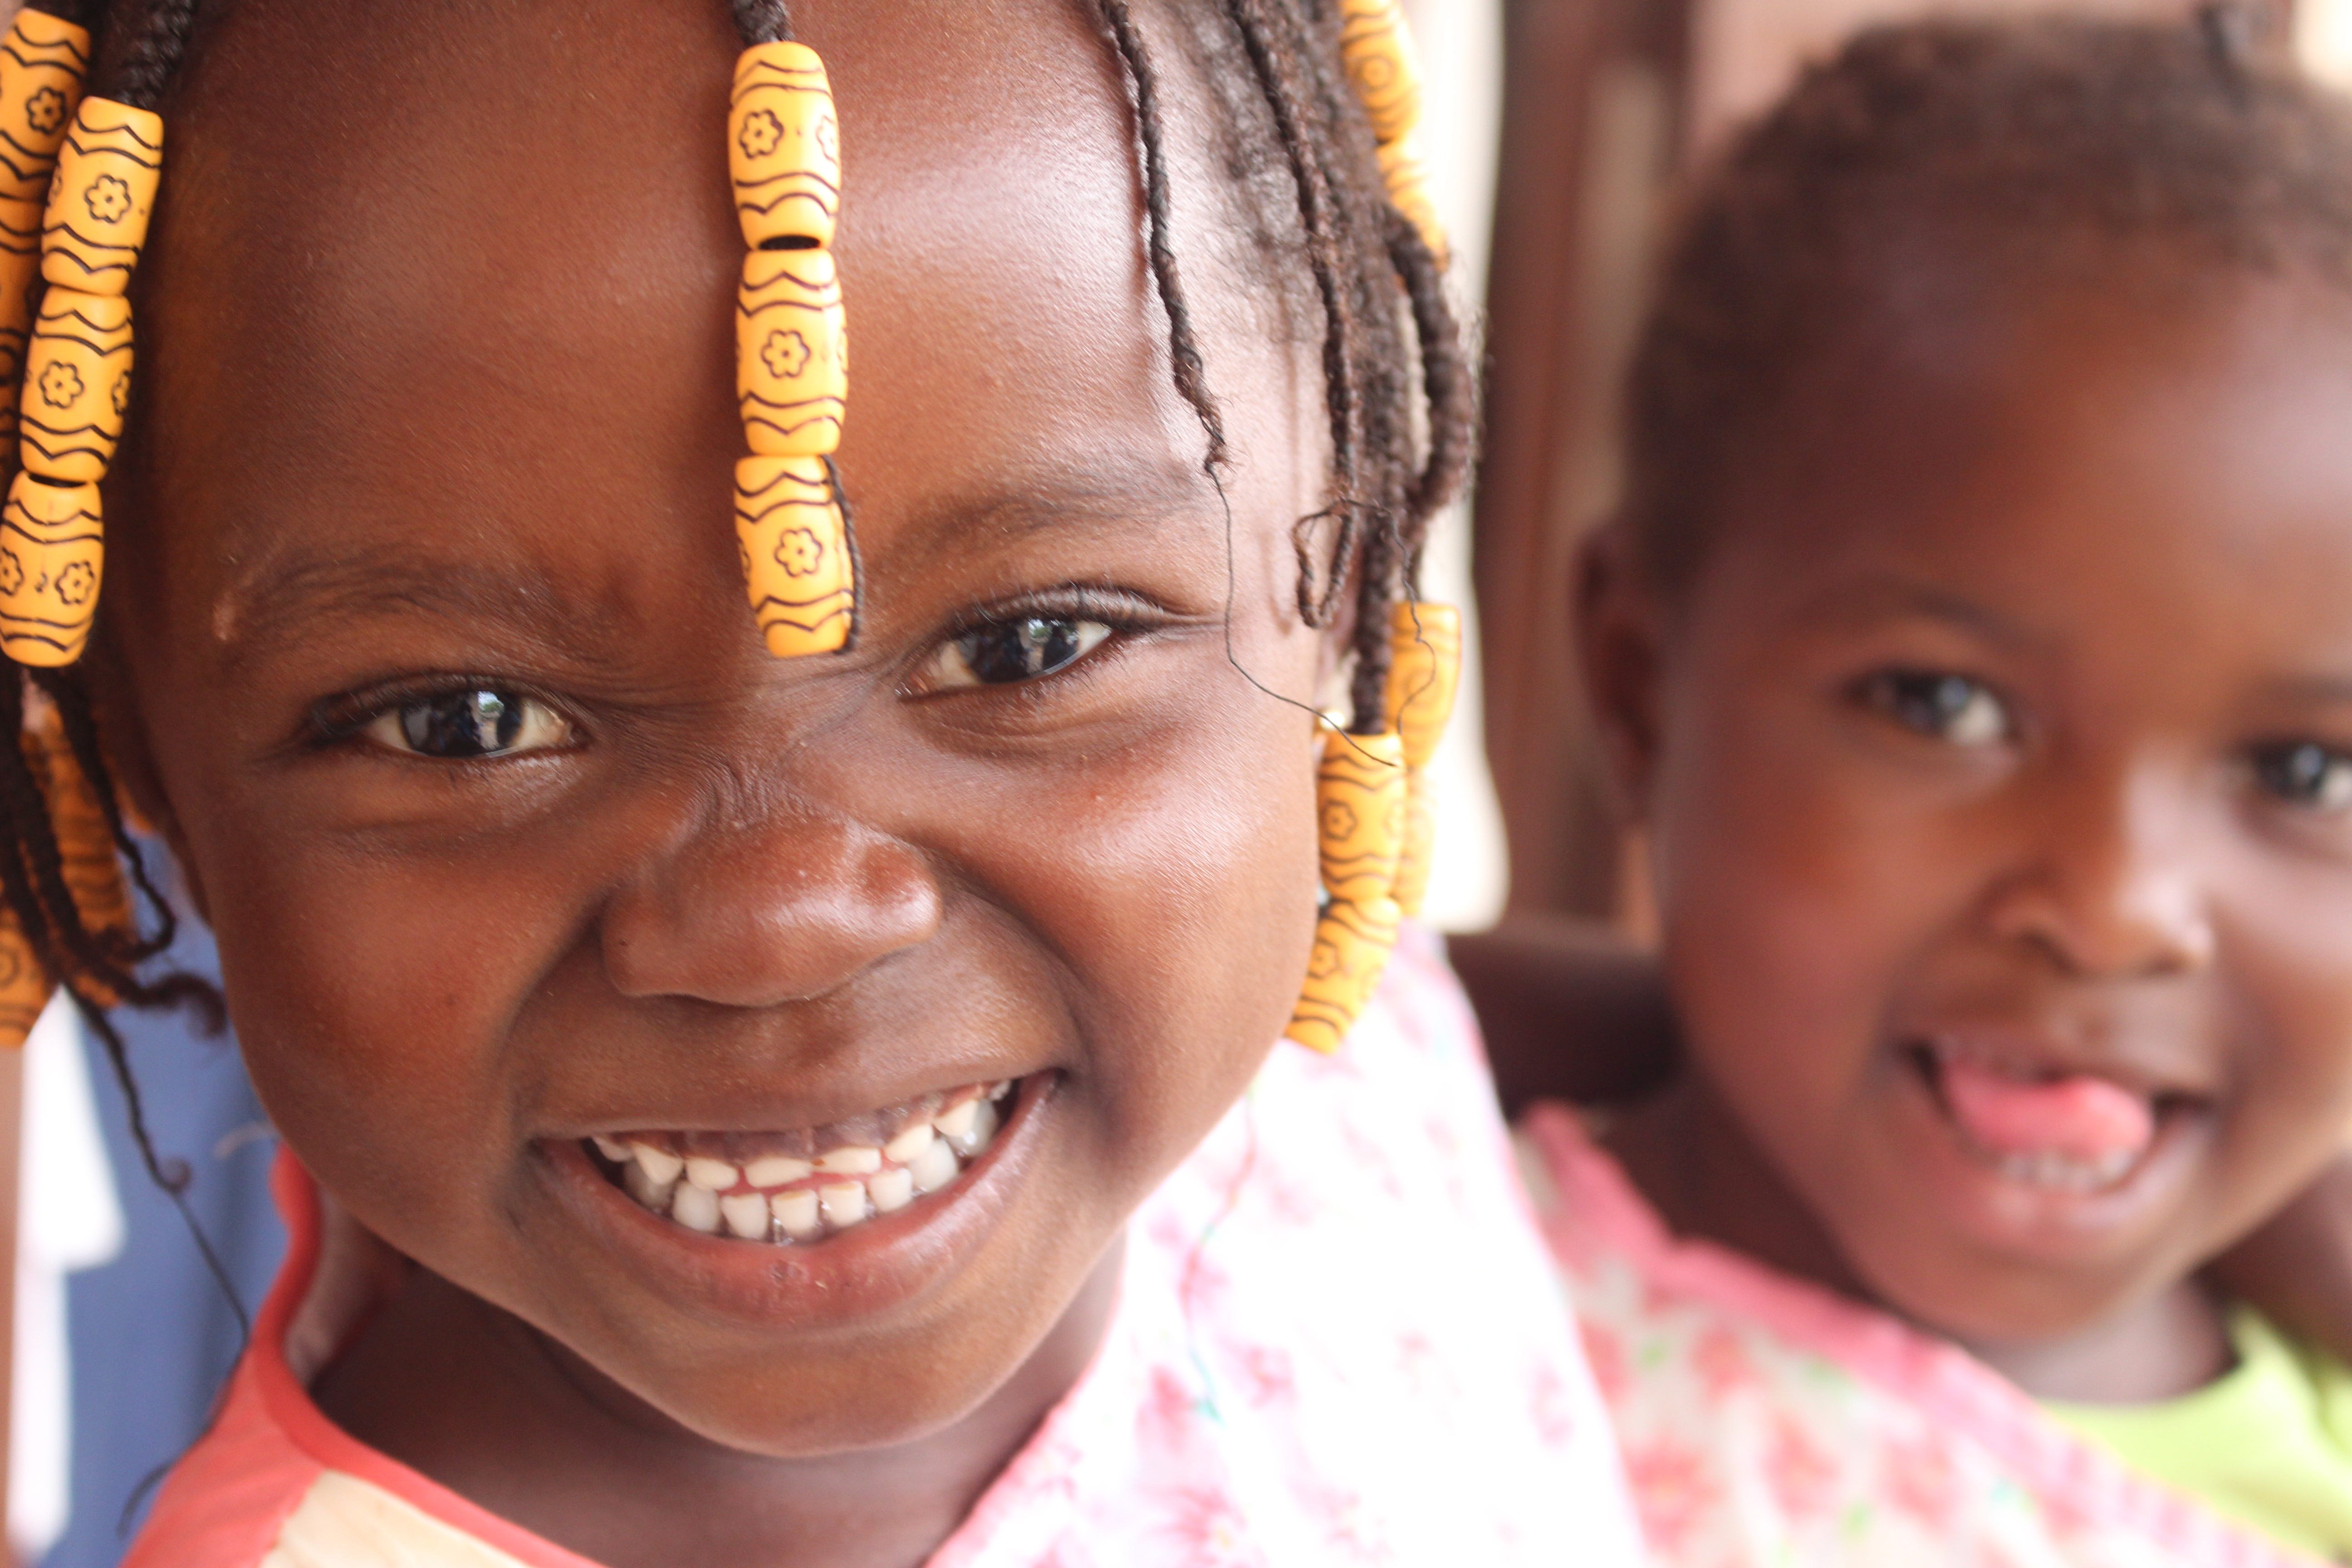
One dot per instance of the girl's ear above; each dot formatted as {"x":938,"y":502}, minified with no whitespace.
{"x":125,"y":739}
{"x":1619,"y":635}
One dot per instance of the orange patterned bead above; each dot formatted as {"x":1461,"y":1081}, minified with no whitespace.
{"x":1359,"y":806}
{"x":783,"y":148}
{"x":796,"y":546}
{"x":791,"y":353}
{"x":43,"y":60}
{"x":20,"y":263}
{"x":1407,"y":178}
{"x":86,"y":851}
{"x":1420,"y":842}
{"x":76,"y":384}
{"x":1424,"y":673}
{"x":1377,"y":48}
{"x":23,"y":988}
{"x":52,"y":554}
{"x":102,"y":196}
{"x":1352,"y":943}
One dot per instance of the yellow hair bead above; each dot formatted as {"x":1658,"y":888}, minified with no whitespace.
{"x":1420,"y":842}
{"x":76,"y":384}
{"x":103,"y":195}
{"x":791,"y":353}
{"x":1376,"y":46}
{"x":795,"y":547}
{"x":783,"y":148}
{"x":86,"y":851}
{"x":43,"y":59}
{"x":24,"y":987}
{"x":52,"y":552}
{"x":1407,"y":178}
{"x":1352,"y":943}
{"x":1359,"y":808}
{"x":1424,"y":672}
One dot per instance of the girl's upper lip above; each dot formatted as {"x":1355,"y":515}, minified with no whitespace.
{"x":755,"y":1111}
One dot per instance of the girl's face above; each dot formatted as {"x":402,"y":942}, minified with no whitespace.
{"x":1997,"y":765}
{"x":427,"y":599}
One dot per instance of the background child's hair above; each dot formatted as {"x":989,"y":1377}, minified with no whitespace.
{"x":2019,"y":148}
{"x":1388,"y":336}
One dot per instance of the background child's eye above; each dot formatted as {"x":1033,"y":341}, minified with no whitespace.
{"x":1017,"y":649}
{"x":2306,"y":773}
{"x":1948,"y":706}
{"x":470,"y":722}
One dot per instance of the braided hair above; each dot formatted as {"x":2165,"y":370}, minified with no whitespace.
{"x":1388,"y":335}
{"x":2022,"y":148}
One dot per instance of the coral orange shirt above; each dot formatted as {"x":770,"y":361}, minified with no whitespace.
{"x":1338,"y":1341}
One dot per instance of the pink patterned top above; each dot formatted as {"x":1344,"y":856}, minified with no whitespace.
{"x":1765,"y":1420}
{"x":1338,"y":1342}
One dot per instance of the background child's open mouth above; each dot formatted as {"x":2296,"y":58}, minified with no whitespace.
{"x":805,"y":1184}
{"x":2048,"y":1126}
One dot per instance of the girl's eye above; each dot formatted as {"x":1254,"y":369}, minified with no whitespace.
{"x":1018,"y":649}
{"x":1949,"y":707}
{"x":2306,"y":773}
{"x":470,"y":723}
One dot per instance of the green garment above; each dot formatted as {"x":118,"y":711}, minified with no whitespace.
{"x":2269,"y":1444}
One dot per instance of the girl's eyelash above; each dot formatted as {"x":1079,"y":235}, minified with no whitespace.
{"x":1116,"y":608}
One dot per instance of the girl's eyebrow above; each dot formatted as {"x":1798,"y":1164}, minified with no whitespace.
{"x":284,"y":602}
{"x":1879,"y":598}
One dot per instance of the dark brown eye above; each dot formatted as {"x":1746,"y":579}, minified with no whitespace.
{"x":468,"y":724}
{"x":2305,"y":774}
{"x":1022,"y":648}
{"x":1945,"y":707}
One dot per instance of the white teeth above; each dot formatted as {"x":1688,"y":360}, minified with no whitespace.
{"x":711,"y":1175}
{"x":2066,"y":1174}
{"x":935,"y":1167}
{"x":902,"y":1150}
{"x":649,"y":1192}
{"x":696,"y":1208}
{"x":843,"y":1203}
{"x":892,"y":1191}
{"x":746,"y":1215}
{"x":613,"y":1149}
{"x":1000,"y":1090}
{"x":983,"y":1126}
{"x":776,"y":1170}
{"x":659,"y":1164}
{"x":855,"y":1159}
{"x":957,"y":1122}
{"x":796,"y":1215}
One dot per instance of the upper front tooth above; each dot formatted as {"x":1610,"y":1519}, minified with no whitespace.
{"x":854,"y":1160}
{"x":983,"y":1128}
{"x":658,"y":1164}
{"x":903,"y":1149}
{"x":956,"y":1121}
{"x":613,"y":1149}
{"x":843,"y":1203}
{"x":711,"y":1175}
{"x":746,"y":1215}
{"x":935,"y":1167}
{"x":696,"y":1208}
{"x":775,"y":1170}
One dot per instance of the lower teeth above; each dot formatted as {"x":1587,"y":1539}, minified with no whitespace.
{"x":849,"y":1186}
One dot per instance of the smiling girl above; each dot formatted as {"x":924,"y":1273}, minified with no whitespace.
{"x":1976,"y":647}
{"x":760,"y":1084}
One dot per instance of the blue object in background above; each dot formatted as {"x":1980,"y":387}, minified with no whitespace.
{"x":151,"y":1338}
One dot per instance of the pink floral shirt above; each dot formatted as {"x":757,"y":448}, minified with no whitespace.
{"x":1338,"y":1342}
{"x":1766,"y":1421}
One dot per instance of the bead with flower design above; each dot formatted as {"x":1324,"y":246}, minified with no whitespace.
{"x":77,"y":385}
{"x":1359,"y":809}
{"x":795,"y":555}
{"x":1353,"y":943}
{"x":791,"y":353}
{"x":43,"y":61}
{"x":1376,"y":46}
{"x":101,"y":197}
{"x":52,"y":555}
{"x":783,"y":148}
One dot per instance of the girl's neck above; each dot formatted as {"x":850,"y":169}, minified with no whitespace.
{"x":1696,"y":1165}
{"x":470,"y":1396}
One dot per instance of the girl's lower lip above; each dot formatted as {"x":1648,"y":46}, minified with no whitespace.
{"x":2052,"y":1223}
{"x":883,"y":1264}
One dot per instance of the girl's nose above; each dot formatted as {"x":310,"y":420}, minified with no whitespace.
{"x":790,"y":906}
{"x":2114,"y":888}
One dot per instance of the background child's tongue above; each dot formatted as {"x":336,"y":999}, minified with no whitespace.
{"x":2083,"y":1118}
